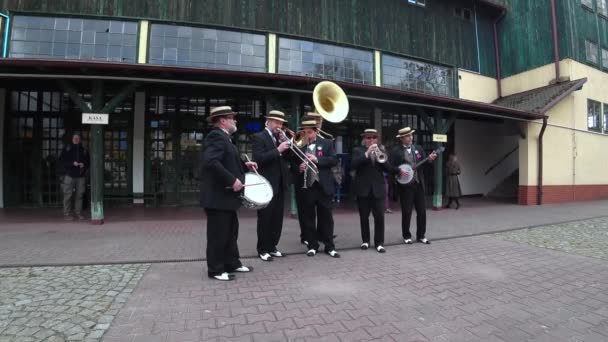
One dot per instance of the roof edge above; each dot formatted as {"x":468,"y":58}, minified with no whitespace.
{"x":576,"y":86}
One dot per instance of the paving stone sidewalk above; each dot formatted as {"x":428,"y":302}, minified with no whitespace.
{"x":587,"y":237}
{"x":466,"y":289}
{"x":63,"y":303}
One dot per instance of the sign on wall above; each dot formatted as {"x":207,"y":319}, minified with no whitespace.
{"x":95,"y":118}
{"x":440,"y":138}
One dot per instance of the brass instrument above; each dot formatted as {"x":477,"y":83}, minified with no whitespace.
{"x":293,"y":146}
{"x":378,"y":154}
{"x":330,"y":101}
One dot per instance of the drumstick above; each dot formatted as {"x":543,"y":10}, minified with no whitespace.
{"x":244,"y":185}
{"x":249,"y":160}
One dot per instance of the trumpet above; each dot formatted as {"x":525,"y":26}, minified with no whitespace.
{"x":378,"y":154}
{"x":293,"y":146}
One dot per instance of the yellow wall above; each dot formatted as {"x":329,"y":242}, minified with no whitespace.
{"x":572,"y":154}
{"x":475,"y":87}
{"x":534,"y":78}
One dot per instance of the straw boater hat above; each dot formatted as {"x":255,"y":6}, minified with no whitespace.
{"x":219,"y":112}
{"x":369,"y":131}
{"x":308,"y":124}
{"x":276,"y":115}
{"x":405,"y":131}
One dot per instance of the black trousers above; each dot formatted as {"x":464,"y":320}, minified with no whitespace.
{"x":412,"y":196}
{"x":376,"y":207}
{"x":222,"y":235}
{"x":270,"y":223}
{"x":317,"y":217}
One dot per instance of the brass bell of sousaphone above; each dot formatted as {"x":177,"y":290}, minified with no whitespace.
{"x":330,"y":101}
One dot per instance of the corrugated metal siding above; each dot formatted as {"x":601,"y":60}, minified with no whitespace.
{"x":432,"y":33}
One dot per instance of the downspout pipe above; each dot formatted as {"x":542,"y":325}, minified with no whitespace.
{"x":555,"y":40}
{"x":497,"y":52}
{"x":8,"y":22}
{"x":539,"y":190}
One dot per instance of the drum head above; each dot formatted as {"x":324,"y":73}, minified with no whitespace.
{"x":410,"y":174}
{"x":260,"y":190}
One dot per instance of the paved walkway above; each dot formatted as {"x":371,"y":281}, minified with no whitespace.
{"x":496,"y":287}
{"x":41,"y":237}
{"x":467,"y":289}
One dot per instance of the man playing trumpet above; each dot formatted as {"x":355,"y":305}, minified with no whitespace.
{"x":370,"y":164}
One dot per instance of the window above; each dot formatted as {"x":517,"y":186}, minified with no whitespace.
{"x":418,"y":2}
{"x":602,"y":7}
{"x":463,"y":13}
{"x":605,"y":58}
{"x":591,"y":53}
{"x":301,"y":57}
{"x":408,"y":74}
{"x":73,"y":38}
{"x":605,"y":118}
{"x":587,"y":3}
{"x":593,"y":115}
{"x":207,"y":48}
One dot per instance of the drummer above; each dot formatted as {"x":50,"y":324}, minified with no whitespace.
{"x":412,"y":194}
{"x":268,"y":148}
{"x":222,"y":177}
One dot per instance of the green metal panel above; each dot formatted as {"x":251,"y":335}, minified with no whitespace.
{"x":431,"y":33}
{"x":582,"y":24}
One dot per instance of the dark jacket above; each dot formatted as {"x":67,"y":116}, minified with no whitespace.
{"x":326,"y":155}
{"x":369,"y":176}
{"x":397,"y":157}
{"x":220,"y":167}
{"x":74,"y":153}
{"x":271,"y":164}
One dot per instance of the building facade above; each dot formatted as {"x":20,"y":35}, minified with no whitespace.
{"x":157,"y":67}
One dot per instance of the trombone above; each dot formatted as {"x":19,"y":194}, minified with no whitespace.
{"x":293,"y":146}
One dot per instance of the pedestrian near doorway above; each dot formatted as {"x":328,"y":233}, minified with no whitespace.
{"x":452,"y":188}
{"x":75,"y":161}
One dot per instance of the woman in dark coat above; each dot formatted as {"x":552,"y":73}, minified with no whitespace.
{"x":453,"y":191}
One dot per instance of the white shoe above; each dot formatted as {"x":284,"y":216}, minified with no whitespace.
{"x":224,"y":277}
{"x":365,"y":245}
{"x":333,"y":253}
{"x":311,"y":252}
{"x":244,"y":269}
{"x":277,"y":254}
{"x":407,"y":241}
{"x":380,"y":249}
{"x":266,"y":257}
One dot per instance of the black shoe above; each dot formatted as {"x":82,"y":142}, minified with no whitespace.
{"x":424,"y":241}
{"x":380,"y":249}
{"x":407,"y":241}
{"x":266,"y":257}
{"x":277,"y":254}
{"x":311,"y":252}
{"x":365,"y":245}
{"x":242,"y":269}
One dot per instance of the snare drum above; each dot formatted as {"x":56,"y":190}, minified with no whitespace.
{"x":407,"y":178}
{"x":257,"y":192}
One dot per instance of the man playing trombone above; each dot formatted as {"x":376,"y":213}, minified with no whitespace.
{"x":268,"y":147}
{"x":370,"y":164}
{"x":317,"y":158}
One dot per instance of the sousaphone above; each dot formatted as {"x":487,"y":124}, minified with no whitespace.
{"x":330,"y":101}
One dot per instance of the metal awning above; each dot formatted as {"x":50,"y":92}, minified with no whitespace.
{"x":161,"y":74}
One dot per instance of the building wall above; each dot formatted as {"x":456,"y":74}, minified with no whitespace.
{"x":575,"y":159}
{"x":475,"y":87}
{"x":433,"y":33}
{"x":479,"y":145}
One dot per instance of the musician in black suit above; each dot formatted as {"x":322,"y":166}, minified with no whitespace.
{"x":268,"y":148}
{"x":369,"y":188}
{"x":222,"y":178}
{"x":411,"y":195}
{"x":317,"y":191}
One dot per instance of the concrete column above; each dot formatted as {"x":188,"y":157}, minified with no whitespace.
{"x":139,"y":128}
{"x":377,"y":69}
{"x":272,"y":53}
{"x":2,"y":119}
{"x":142,"y":46}
{"x":378,"y":120}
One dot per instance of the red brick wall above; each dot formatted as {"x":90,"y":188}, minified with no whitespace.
{"x":562,"y":193}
